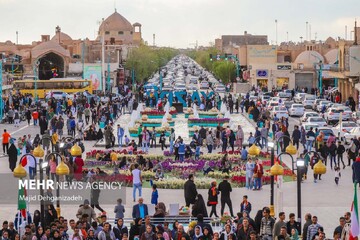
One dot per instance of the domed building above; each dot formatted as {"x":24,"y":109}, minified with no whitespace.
{"x":309,"y":58}
{"x":117,"y":30}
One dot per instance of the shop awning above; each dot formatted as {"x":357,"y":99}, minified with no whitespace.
{"x":331,"y":74}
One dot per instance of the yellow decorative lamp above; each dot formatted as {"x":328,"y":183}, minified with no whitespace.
{"x":38,"y":152}
{"x":62,"y":169}
{"x":254,"y":150}
{"x":319,"y":168}
{"x":144,"y":118}
{"x":75,"y":151}
{"x":168,"y":117}
{"x":291,"y":149}
{"x":277,"y":170}
{"x":19,"y":172}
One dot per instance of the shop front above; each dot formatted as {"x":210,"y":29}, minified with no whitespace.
{"x":282,"y":83}
{"x":262,"y":83}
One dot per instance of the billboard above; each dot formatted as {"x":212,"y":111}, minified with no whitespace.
{"x":94,"y":74}
{"x":261,"y":54}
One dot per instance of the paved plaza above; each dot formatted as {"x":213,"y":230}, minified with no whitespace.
{"x":324,"y":198}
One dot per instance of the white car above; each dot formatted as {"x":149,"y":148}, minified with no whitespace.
{"x":271,"y":105}
{"x":353,"y":133}
{"x":283,"y":95}
{"x":347,"y":113}
{"x":307,"y":126}
{"x":58,"y":95}
{"x":355,"y":116}
{"x":317,"y":120}
{"x":332,"y":114}
{"x":296,"y":110}
{"x":279,"y":111}
{"x":317,"y":101}
{"x":220,"y":88}
{"x":309,"y":114}
{"x":204,"y":85}
{"x":309,"y":100}
{"x":321,"y":104}
{"x":180,"y":87}
{"x":344,"y":127}
{"x":298,"y":98}
{"x":194,"y":80}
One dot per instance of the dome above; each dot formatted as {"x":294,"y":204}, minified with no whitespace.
{"x":308,"y":58}
{"x":49,"y":46}
{"x":63,"y":37}
{"x":332,"y":56}
{"x":115,"y":22}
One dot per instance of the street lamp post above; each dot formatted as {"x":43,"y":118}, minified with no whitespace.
{"x":20,"y":173}
{"x":1,"y":99}
{"x":272,"y":162}
{"x":300,"y":164}
{"x":61,"y":170}
{"x":39,"y":153}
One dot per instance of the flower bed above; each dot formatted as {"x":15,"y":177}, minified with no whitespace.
{"x":154,"y":123}
{"x":159,"y":130}
{"x":175,"y":183}
{"x":208,"y":120}
{"x":122,"y":153}
{"x":155,"y":112}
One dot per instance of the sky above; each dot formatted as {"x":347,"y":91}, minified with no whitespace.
{"x":181,"y":23}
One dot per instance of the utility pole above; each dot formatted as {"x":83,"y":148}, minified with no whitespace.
{"x":17,"y":37}
{"x":103,"y":55}
{"x":307,"y":31}
{"x":276,"y":29}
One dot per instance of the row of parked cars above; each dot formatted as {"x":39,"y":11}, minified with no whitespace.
{"x":323,"y":114}
{"x":184,"y":74}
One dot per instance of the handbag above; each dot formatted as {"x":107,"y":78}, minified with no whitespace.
{"x":255,"y":175}
{"x":208,"y":203}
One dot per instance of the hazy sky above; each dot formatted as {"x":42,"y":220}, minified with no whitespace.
{"x":180,"y":23}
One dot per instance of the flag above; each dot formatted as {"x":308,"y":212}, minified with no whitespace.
{"x":22,"y":201}
{"x":354,"y":232}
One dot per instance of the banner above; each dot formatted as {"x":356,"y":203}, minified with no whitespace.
{"x":94,"y":74}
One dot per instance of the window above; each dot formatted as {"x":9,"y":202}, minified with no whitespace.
{"x":131,"y":32}
{"x":107,"y":32}
{"x":121,"y":33}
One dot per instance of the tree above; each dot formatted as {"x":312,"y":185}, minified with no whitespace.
{"x":146,"y":60}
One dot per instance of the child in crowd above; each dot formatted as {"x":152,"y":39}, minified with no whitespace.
{"x":127,"y":140}
{"x":154,"y":195}
{"x":244,"y":154}
{"x":119,"y":210}
{"x":251,"y":139}
{"x":197,"y":152}
{"x":337,"y":175}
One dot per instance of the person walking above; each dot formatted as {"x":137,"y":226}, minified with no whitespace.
{"x":239,"y":137}
{"x":120,"y":135}
{"x":266,"y":225}
{"x":16,"y":119}
{"x":258,"y":173}
{"x":249,"y":167}
{"x":172,"y":140}
{"x":190,"y":191}
{"x":137,"y":181}
{"x":225,"y":189}
{"x":5,"y":141}
{"x":339,"y":152}
{"x":213,"y":199}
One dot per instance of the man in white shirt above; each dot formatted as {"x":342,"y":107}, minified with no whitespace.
{"x":137,"y":181}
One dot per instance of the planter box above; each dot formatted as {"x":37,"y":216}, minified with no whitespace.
{"x":159,"y":116}
{"x":152,"y":124}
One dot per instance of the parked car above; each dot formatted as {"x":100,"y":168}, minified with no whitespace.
{"x":309,"y":100}
{"x":299,"y":97}
{"x":288,"y":104}
{"x":327,"y":132}
{"x":194,"y":80}
{"x":317,"y":120}
{"x":344,"y":127}
{"x":296,"y":110}
{"x":306,"y":115}
{"x":58,"y":95}
{"x":332,"y":115}
{"x":355,"y":117}
{"x":317,"y":101}
{"x":307,"y":126}
{"x":321,"y":104}
{"x":347,"y":113}
{"x":279,"y":111}
{"x":220,"y":88}
{"x":204,"y":85}
{"x":353,"y":133}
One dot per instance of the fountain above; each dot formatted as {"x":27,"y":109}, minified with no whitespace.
{"x":196,"y":114}
{"x":223,"y":108}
